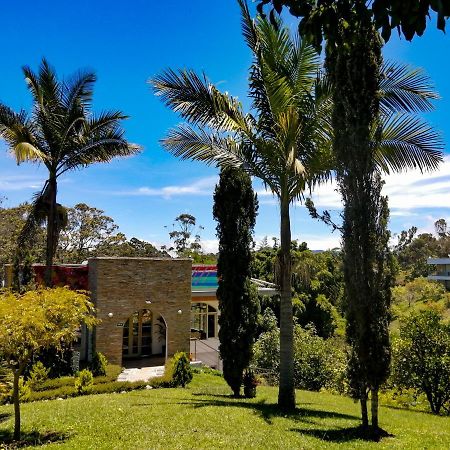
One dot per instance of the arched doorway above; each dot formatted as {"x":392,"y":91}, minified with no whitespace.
{"x":144,"y":335}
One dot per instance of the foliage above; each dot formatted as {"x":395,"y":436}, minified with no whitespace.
{"x":318,"y":363}
{"x":38,"y":374}
{"x":37,"y":320}
{"x":84,"y":381}
{"x":319,"y":20}
{"x":98,"y":365}
{"x":87,"y":230}
{"x":422,"y":358}
{"x":250,"y":382}
{"x":57,"y":359}
{"x":317,"y":286}
{"x":235,"y":209}
{"x":63,"y":134}
{"x":413,"y":251}
{"x":12,"y":221}
{"x":419,"y":294}
{"x":181,"y":374}
{"x":183,"y":239}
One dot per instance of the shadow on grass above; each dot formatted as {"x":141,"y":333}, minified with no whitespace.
{"x":4,"y":417}
{"x":269,"y":411}
{"x":345,"y":434}
{"x":30,"y":439}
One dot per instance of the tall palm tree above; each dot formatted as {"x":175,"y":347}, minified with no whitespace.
{"x":285,"y":140}
{"x":62,"y":134}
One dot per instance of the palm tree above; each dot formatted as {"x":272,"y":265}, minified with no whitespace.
{"x":62,"y":134}
{"x":285,"y":141}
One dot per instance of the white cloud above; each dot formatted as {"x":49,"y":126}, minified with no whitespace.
{"x":202,"y":186}
{"x":19,"y":182}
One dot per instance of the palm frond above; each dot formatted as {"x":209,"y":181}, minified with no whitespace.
{"x":248,"y":26}
{"x":187,"y":143}
{"x":407,"y":142}
{"x":78,"y":90}
{"x":198,"y":101}
{"x":406,"y":89}
{"x":18,"y":132}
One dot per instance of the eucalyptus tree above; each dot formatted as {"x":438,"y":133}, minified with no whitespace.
{"x":283,"y":141}
{"x":63,"y":134}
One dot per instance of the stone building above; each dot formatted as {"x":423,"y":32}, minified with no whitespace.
{"x":148,"y":307}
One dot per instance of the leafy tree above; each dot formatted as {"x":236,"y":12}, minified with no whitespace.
{"x":87,"y":229}
{"x":282,"y":142}
{"x":422,"y":358}
{"x":34,"y":321}
{"x":235,"y":209}
{"x":12,"y":221}
{"x":418,"y":294}
{"x":63,"y":134}
{"x":185,"y":242}
{"x":412,"y":252}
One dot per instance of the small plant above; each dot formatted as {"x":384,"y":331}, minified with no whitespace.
{"x":250,"y":383}
{"x":84,"y":381}
{"x":182,"y":374}
{"x":98,"y":365}
{"x":38,"y":374}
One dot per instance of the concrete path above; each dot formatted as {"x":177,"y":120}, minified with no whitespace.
{"x":142,"y":374}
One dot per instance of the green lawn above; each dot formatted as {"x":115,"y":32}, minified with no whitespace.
{"x":204,"y":416}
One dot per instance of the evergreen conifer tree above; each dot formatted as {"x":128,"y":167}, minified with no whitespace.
{"x":235,"y":209}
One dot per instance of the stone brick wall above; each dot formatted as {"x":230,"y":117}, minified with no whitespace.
{"x":122,"y":286}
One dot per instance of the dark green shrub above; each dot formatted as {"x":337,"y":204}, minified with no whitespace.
{"x":181,"y":374}
{"x":98,"y":365}
{"x":84,"y":381}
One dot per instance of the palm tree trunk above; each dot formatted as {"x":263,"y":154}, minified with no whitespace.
{"x":51,"y":231}
{"x":16,"y":404}
{"x":286,"y":393}
{"x":374,"y":407}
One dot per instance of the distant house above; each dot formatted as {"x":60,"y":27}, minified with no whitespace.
{"x":148,"y":307}
{"x":442,"y":270}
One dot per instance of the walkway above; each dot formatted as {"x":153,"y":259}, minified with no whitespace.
{"x":141,"y":374}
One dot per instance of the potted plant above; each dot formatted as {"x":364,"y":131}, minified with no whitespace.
{"x":250,"y":383}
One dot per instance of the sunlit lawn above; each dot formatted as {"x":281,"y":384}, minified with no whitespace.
{"x":204,"y":416}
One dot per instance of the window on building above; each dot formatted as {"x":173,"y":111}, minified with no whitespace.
{"x":203,"y":321}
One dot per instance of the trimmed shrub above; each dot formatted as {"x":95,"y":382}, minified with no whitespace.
{"x":181,"y":374}
{"x":98,"y":365}
{"x":38,"y":374}
{"x":84,"y":381}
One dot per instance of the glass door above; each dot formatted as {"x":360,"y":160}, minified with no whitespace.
{"x":137,"y":335}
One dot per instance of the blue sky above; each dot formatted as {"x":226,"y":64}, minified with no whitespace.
{"x":126,"y":46}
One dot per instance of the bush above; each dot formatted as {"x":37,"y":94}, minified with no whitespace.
{"x":181,"y":374}
{"x":318,"y":363}
{"x":84,"y":381}
{"x":38,"y":374}
{"x":98,"y":365}
{"x":421,"y":358}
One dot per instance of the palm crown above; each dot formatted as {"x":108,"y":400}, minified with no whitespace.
{"x":63,"y":134}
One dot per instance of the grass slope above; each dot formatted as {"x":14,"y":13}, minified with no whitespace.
{"x":204,"y":416}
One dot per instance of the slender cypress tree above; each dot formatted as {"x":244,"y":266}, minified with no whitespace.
{"x":235,"y":209}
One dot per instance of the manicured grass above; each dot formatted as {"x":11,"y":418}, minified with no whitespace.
{"x":204,"y":416}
